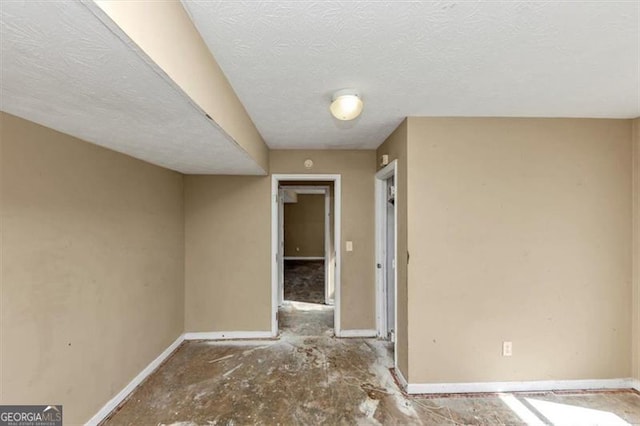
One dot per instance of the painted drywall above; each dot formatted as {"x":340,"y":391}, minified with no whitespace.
{"x":164,"y":31}
{"x":64,"y":69}
{"x":228,"y":243}
{"x":396,"y":148}
{"x":636,"y":249}
{"x":462,"y":58}
{"x":92,"y":268}
{"x":519,"y":230}
{"x":357,"y":169}
{"x":304,"y":226}
{"x":228,"y":253}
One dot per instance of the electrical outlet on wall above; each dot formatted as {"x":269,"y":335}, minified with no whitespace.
{"x":507,"y":348}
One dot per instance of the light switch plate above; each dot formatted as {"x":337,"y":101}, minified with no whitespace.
{"x":349,"y":245}
{"x":507,"y":348}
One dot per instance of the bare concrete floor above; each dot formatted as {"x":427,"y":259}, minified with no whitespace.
{"x":306,"y":319}
{"x":322,"y":380}
{"x":304,"y":280}
{"x":308,"y":377}
{"x":303,"y":312}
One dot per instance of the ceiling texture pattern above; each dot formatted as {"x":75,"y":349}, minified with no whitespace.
{"x":442,"y":58}
{"x":65,"y":68}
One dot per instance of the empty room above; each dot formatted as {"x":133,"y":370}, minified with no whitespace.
{"x":318,"y":212}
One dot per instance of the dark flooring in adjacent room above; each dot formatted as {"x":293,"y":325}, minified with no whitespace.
{"x":304,"y":280}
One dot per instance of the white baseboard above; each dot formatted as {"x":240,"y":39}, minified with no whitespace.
{"x":542,"y":385}
{"x":304,"y":258}
{"x":226,"y":335}
{"x":357,"y":333}
{"x":636,"y":384}
{"x":401,"y":379}
{"x":124,"y":393}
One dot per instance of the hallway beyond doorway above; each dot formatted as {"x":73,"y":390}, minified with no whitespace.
{"x":304,"y":281}
{"x":303,"y":312}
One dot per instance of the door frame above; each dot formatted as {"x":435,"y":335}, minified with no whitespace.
{"x":382,"y":175}
{"x":314,"y":190}
{"x":337,"y":208}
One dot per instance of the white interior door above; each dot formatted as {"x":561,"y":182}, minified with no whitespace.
{"x":386,"y":215}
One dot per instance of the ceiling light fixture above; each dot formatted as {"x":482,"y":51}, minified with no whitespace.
{"x":346,"y":104}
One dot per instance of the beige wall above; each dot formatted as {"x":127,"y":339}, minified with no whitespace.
{"x":228,"y":253}
{"x":396,"y":147}
{"x":228,"y":243}
{"x":164,"y":31}
{"x":92,"y":272}
{"x":636,"y":249}
{"x":357,"y":169}
{"x":304,"y":226}
{"x":519,"y":230}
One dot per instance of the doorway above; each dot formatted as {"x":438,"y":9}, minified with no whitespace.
{"x":306,"y":267}
{"x":386,"y":210}
{"x":306,"y":241}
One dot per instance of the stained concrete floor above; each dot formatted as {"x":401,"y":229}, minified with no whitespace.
{"x":304,"y":280}
{"x":303,"y":312}
{"x":305,"y":319}
{"x":302,"y":380}
{"x":308,"y":377}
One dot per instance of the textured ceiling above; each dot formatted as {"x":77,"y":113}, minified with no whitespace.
{"x":440,"y":58}
{"x":64,"y":68}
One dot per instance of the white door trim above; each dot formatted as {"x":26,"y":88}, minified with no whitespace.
{"x":382,"y":175}
{"x":337,"y":191}
{"x":280,"y":255}
{"x":307,"y":190}
{"x":327,"y":243}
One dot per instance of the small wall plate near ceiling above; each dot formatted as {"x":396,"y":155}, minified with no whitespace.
{"x":308,"y":164}
{"x":346,"y":104}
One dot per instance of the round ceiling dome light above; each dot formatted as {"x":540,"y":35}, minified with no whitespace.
{"x":346,"y":104}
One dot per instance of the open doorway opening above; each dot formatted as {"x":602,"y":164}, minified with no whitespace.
{"x":386,"y":253}
{"x":307,"y":243}
{"x":306,"y":288}
{"x":306,"y":269}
